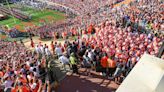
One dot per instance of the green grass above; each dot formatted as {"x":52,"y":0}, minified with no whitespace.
{"x":10,"y":21}
{"x":37,"y":15}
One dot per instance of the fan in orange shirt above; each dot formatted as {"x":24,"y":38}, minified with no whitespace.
{"x":90,"y":28}
{"x":1,"y":74}
{"x":111,"y":66}
{"x":24,"y":88}
{"x":104,"y":63}
{"x":14,"y":89}
{"x":52,"y":47}
{"x":64,"y":34}
{"x":54,"y":36}
{"x":21,"y":88}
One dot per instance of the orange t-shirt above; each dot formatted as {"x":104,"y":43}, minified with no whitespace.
{"x":65,"y":33}
{"x":1,"y":74}
{"x":23,"y":80}
{"x":52,"y":46}
{"x":74,"y":32}
{"x":104,"y":62}
{"x":92,"y":46}
{"x":14,"y":89}
{"x":25,"y":89}
{"x":90,"y":29}
{"x":111,"y":63}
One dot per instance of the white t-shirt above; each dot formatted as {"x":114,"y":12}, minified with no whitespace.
{"x":28,"y":63}
{"x":42,"y":49}
{"x":8,"y":83}
{"x":38,"y":50}
{"x":58,"y":51}
{"x":29,"y":77}
{"x":47,"y":51}
{"x":33,"y":85}
{"x":31,"y":69}
{"x":64,"y":60}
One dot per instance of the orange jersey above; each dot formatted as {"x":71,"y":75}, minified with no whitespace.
{"x":111,"y":63}
{"x":104,"y":62}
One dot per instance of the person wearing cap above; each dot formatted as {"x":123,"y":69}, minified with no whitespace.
{"x":73,"y":62}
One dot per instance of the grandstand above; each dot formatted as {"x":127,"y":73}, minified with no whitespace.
{"x":25,"y":17}
{"x":14,"y":13}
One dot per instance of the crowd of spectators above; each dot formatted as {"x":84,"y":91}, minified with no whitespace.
{"x":13,"y":33}
{"x":143,"y":15}
{"x":25,"y":70}
{"x":22,"y":70}
{"x":34,"y":4}
{"x":137,"y":15}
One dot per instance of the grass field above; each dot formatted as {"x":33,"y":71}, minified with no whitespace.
{"x":38,"y":18}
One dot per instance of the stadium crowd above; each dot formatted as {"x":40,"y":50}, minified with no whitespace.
{"x":23,"y":70}
{"x":110,"y":41}
{"x":27,"y":70}
{"x":137,"y":15}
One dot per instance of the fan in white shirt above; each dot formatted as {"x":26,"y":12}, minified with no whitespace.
{"x":37,"y":49}
{"x":64,"y":60}
{"x":47,"y":51}
{"x":42,"y":49}
{"x":58,"y":50}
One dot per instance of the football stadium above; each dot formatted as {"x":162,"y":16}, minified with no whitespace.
{"x":81,"y":46}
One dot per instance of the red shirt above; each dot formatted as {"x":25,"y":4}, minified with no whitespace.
{"x":52,"y":46}
{"x":25,"y":89}
{"x":1,"y":74}
{"x":36,"y":88}
{"x":90,"y":29}
{"x":104,"y":61}
{"x":15,"y":43}
{"x":32,"y":43}
{"x":14,"y":89}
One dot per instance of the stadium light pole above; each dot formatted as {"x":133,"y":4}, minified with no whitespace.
{"x":10,"y":11}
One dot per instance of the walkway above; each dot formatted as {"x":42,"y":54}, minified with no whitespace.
{"x":84,"y":83}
